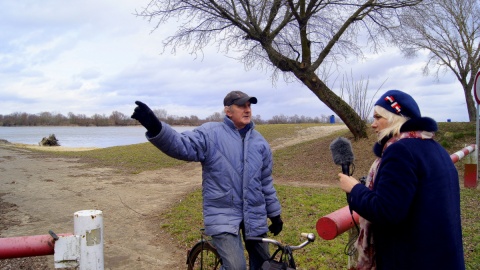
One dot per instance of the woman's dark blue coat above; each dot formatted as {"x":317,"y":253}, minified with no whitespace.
{"x":414,"y":206}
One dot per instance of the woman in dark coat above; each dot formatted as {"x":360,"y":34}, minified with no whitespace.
{"x":410,"y":205}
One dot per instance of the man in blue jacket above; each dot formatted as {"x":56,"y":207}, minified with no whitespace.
{"x":238,"y":192}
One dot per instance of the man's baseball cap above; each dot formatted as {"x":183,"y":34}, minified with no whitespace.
{"x":238,"y":98}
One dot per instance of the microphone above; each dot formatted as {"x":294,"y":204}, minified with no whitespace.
{"x":342,"y":154}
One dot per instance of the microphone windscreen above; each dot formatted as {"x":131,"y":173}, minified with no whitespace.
{"x":341,"y":149}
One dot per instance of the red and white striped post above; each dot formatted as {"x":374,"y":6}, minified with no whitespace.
{"x":470,"y":172}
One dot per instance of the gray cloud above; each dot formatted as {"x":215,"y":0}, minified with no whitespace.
{"x":90,"y":57}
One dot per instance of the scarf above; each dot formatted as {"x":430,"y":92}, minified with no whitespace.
{"x":364,"y":245}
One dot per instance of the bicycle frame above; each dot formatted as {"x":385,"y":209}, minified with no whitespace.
{"x":196,"y":256}
{"x":286,"y":250}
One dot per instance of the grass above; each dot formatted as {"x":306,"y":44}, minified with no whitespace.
{"x":308,"y":162}
{"x":273,"y":132}
{"x":133,"y":158}
{"x":471,"y":227}
{"x":301,"y":209}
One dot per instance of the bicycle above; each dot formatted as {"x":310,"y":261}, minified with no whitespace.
{"x":203,"y":254}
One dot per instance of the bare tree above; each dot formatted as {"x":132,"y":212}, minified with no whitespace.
{"x":357,"y":95}
{"x":100,"y":120}
{"x":160,"y":113}
{"x":119,"y":119}
{"x":257,"y":119}
{"x":450,"y":31}
{"x":278,"y":119}
{"x":216,"y":117}
{"x":293,"y":38}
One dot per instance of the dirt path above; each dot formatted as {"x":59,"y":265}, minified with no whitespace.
{"x":39,"y":194}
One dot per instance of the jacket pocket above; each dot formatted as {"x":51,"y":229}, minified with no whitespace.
{"x":255,"y":197}
{"x":216,"y":200}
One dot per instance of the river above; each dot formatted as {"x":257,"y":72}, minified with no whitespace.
{"x":99,"y":137}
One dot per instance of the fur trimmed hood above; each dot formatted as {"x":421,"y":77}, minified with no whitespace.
{"x":414,"y":124}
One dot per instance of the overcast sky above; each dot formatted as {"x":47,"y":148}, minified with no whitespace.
{"x":89,"y":57}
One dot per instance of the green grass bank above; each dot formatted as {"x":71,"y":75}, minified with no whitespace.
{"x":308,"y":163}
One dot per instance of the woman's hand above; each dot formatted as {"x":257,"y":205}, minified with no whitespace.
{"x":347,"y":182}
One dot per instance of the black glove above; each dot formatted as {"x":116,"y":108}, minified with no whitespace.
{"x":147,"y":118}
{"x":276,"y":226}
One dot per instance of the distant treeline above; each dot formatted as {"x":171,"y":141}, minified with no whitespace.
{"x":120,"y":119}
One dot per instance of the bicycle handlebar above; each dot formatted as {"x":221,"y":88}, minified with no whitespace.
{"x":310,"y":238}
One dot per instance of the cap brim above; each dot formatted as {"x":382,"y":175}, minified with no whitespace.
{"x":244,"y":100}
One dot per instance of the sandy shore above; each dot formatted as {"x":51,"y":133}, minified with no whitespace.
{"x":52,"y":148}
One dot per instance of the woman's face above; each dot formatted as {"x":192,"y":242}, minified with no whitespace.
{"x":379,"y":122}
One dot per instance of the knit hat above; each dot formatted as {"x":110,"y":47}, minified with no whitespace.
{"x":399,"y":103}
{"x":238,"y":98}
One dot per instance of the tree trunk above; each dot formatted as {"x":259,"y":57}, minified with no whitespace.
{"x":348,"y":115}
{"x":469,"y":99}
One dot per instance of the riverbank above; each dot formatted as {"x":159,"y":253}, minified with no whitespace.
{"x":41,"y":192}
{"x":52,"y":148}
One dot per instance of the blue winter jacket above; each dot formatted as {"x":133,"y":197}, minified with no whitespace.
{"x":414,"y":206}
{"x":237,"y":174}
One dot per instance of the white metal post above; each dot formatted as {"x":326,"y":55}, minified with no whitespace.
{"x":477,"y":143}
{"x":476,"y":91}
{"x":88,"y":224}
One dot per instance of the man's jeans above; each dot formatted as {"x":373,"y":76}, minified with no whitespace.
{"x":230,"y":249}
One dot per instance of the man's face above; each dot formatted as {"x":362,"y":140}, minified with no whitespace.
{"x":241,"y":115}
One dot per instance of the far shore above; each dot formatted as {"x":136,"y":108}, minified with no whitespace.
{"x":47,"y":148}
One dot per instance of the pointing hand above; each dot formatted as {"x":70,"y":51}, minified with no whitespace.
{"x":147,"y":118}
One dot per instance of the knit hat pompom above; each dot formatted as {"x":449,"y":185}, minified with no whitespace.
{"x":399,"y":103}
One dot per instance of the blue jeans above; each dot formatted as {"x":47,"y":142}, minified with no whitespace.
{"x":230,"y":249}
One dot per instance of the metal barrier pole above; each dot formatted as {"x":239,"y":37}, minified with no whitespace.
{"x":336,"y":223}
{"x":462,"y":153}
{"x":27,"y":246}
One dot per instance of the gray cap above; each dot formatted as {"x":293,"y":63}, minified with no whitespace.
{"x":238,"y":98}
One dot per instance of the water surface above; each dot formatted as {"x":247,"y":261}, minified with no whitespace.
{"x":79,"y":136}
